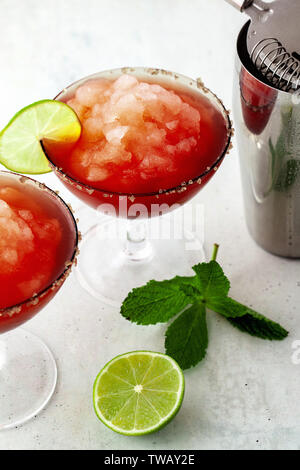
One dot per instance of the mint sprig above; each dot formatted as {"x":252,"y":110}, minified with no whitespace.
{"x":187,"y":337}
{"x":156,"y":302}
{"x":188,"y":298}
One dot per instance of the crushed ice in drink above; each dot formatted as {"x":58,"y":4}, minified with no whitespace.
{"x":131,"y":125}
{"x":139,"y":136}
{"x":28,"y":244}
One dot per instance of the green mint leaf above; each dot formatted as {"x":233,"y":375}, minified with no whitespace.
{"x":187,"y":338}
{"x":249,"y":321}
{"x":156,"y":302}
{"x":227,"y":307}
{"x":190,"y":287}
{"x":211,"y":280}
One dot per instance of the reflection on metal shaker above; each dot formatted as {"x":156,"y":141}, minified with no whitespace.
{"x":267,"y":123}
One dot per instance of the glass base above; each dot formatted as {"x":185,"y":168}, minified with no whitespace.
{"x":109,"y":268}
{"x":28,"y":376}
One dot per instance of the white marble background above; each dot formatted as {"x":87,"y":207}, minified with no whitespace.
{"x":45,"y":46}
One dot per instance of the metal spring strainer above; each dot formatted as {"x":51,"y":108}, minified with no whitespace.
{"x":273,"y":40}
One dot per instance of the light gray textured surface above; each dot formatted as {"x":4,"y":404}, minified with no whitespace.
{"x":245,"y":394}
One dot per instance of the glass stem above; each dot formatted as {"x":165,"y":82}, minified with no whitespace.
{"x":137,"y":246}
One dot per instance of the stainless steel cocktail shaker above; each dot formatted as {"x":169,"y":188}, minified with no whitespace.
{"x":267,"y":123}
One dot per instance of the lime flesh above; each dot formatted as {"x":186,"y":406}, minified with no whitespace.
{"x":20,"y":147}
{"x":139,"y":392}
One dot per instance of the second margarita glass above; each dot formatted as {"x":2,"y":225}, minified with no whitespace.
{"x":38,"y":247}
{"x":110,"y":268}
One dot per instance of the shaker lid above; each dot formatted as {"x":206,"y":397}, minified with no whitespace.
{"x":273,"y":40}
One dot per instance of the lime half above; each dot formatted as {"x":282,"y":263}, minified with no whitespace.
{"x":139,"y":392}
{"x":20,"y":148}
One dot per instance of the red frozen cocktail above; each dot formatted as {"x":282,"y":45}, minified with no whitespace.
{"x":38,"y":240}
{"x":146,"y":136}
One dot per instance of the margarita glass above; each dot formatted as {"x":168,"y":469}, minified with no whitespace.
{"x":151,"y":139}
{"x":38,"y":246}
